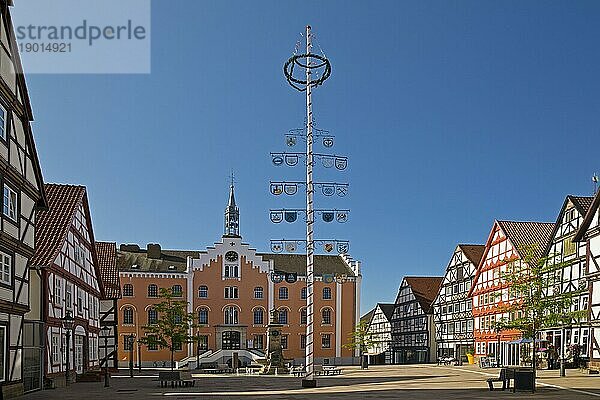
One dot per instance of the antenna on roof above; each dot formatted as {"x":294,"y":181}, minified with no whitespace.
{"x":595,"y":180}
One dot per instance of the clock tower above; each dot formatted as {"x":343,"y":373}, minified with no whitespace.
{"x":232,"y":215}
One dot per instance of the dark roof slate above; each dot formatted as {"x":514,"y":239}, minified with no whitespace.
{"x":425,"y":289}
{"x":367,"y":317}
{"x":473,"y":252}
{"x":579,"y":235}
{"x":296,"y":263}
{"x":387,"y":309}
{"x":109,"y":274}
{"x":177,"y":259}
{"x":527,"y":234}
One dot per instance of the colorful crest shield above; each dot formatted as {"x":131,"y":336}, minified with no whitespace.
{"x":290,"y":140}
{"x":291,"y":277}
{"x":327,"y":216}
{"x":328,"y":278}
{"x":328,"y":190}
{"x":277,"y":159}
{"x":276,"y":247}
{"x":327,"y":161}
{"x":341,"y":216}
{"x":276,"y":216}
{"x":328,"y":247}
{"x":328,"y":141}
{"x":341,"y":163}
{"x":291,"y":160}
{"x":342,"y":190}
{"x":341,"y":278}
{"x":276,"y":188}
{"x":291,"y":216}
{"x":342,"y":248}
{"x":290,"y":189}
{"x":276,"y":277}
{"x":290,"y":247}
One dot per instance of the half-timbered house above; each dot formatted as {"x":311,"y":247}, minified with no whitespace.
{"x":109,"y":322}
{"x":23,"y":194}
{"x":508,"y":242}
{"x":66,"y":255}
{"x":588,"y":234}
{"x":570,"y":256}
{"x":413,"y":336}
{"x":380,"y":331}
{"x":452,"y":307}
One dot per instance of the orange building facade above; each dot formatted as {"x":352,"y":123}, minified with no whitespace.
{"x":231,"y":289}
{"x":505,"y":244}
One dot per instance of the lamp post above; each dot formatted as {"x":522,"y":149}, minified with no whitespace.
{"x":198,"y":350}
{"x":106,"y":332}
{"x":130,"y":341}
{"x":67,"y":323}
{"x":563,"y":350}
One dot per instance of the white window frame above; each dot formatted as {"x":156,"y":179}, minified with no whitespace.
{"x":10,"y":203}
{"x":5,"y":268}
{"x":56,"y":358}
{"x":69,"y":296}
{"x":57,"y":291}
{"x":3,"y":122}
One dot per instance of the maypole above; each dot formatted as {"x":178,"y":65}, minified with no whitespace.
{"x":317,"y":70}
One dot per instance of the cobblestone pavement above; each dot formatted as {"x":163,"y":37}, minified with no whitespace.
{"x":378,"y":382}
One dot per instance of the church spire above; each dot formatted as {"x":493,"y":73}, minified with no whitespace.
{"x":232,"y":213}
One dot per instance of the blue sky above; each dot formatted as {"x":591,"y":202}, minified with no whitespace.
{"x":453,"y":113}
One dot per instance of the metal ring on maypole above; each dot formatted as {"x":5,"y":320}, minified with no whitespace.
{"x":301,"y":60}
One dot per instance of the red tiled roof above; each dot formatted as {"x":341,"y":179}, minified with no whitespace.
{"x":52,"y":226}
{"x":425,"y":289}
{"x":583,"y":203}
{"x":109,"y":274}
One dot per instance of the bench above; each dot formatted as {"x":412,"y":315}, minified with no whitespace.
{"x":501,"y":378}
{"x":331,"y":370}
{"x":176,"y":378}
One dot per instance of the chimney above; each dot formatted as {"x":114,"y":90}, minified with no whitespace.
{"x":129,"y":247}
{"x":153,"y":251}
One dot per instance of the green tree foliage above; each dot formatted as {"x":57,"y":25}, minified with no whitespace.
{"x":534,"y":299}
{"x":172,"y":327}
{"x":361,"y":338}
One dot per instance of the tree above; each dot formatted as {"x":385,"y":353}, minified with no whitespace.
{"x":360,"y":339}
{"x":173,"y":325}
{"x":534,"y":299}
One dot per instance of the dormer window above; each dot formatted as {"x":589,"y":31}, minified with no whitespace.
{"x":171,"y":268}
{"x":135,"y":266}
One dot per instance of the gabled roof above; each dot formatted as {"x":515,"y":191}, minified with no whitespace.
{"x":526,"y":234}
{"x":581,"y":203}
{"x":588,"y":218}
{"x":367,"y":317}
{"x":52,"y":226}
{"x":425,"y":289}
{"x":521,"y":234}
{"x":387,"y":309}
{"x":109,"y":274}
{"x":473,"y":252}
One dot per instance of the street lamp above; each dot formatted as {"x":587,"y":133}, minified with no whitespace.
{"x":130,"y":340}
{"x":67,"y":322}
{"x":105,"y":333}
{"x":198,"y":349}
{"x":563,"y":349}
